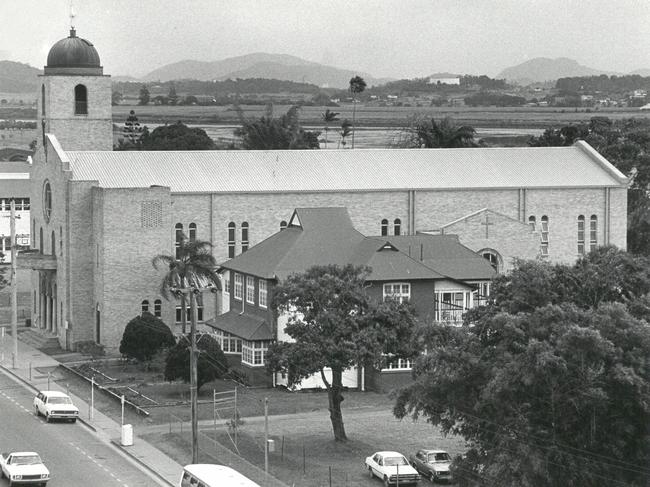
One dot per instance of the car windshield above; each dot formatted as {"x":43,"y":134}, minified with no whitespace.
{"x":26,"y":460}
{"x":392,"y":461}
{"x":59,"y":400}
{"x":438,"y":457}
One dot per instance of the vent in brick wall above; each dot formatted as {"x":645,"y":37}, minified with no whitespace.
{"x":151,"y":214}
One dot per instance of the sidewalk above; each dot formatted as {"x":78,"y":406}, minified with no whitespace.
{"x":30,"y":359}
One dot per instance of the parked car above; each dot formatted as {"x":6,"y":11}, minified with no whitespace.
{"x":432,"y":464}
{"x":55,"y":405}
{"x":23,"y":467}
{"x":388,"y":465}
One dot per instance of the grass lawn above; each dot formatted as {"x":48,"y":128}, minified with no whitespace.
{"x":305,"y":451}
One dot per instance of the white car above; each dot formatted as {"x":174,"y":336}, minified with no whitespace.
{"x":23,"y":467}
{"x":55,"y":405}
{"x":388,"y":465}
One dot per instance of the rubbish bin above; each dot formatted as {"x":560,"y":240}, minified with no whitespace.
{"x":127,"y":435}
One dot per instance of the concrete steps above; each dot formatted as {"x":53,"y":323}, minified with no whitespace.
{"x":40,"y":339}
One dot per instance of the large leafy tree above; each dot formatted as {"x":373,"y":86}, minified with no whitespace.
{"x":271,"y":133}
{"x":145,"y":96}
{"x":193,"y":267}
{"x":335,"y":326}
{"x":177,"y":136}
{"x":357,"y":86}
{"x":429,"y":134}
{"x":211,"y":363}
{"x":144,"y":336}
{"x":546,"y":391}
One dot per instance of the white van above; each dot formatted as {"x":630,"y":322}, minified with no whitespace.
{"x":210,"y":475}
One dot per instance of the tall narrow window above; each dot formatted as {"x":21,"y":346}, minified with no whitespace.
{"x":263,"y":293}
{"x":384,"y":227}
{"x":531,"y":222}
{"x":157,"y":308}
{"x":581,"y":234}
{"x":244,"y":236}
{"x":544,"y":230}
{"x":43,"y":101}
{"x":178,"y":239}
{"x":593,"y":232}
{"x":239,"y":286}
{"x":283,"y":225}
{"x":231,"y":239}
{"x":192,"y":232}
{"x":40,"y":240}
{"x":80,"y":100}
{"x":145,"y":306}
{"x":250,"y":289}
{"x":397,"y":226}
{"x":53,"y":243}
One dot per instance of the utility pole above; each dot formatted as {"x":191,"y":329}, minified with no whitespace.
{"x":14,"y":284}
{"x":266,"y":435}
{"x":194,"y":399}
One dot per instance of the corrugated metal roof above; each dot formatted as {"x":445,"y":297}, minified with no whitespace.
{"x":242,"y":325}
{"x":347,"y":170}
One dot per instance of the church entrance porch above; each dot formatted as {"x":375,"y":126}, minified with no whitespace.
{"x":44,"y":314}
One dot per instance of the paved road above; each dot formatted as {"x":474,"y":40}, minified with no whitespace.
{"x":75,"y":456}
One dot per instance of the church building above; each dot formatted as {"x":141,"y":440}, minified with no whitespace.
{"x":99,"y":216}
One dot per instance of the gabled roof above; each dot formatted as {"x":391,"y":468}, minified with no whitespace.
{"x":346,"y":170}
{"x":445,"y":254}
{"x":323,"y":236}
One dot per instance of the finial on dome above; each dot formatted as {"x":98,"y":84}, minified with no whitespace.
{"x":72,"y":16}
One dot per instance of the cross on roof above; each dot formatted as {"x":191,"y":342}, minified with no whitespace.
{"x":487,"y":223}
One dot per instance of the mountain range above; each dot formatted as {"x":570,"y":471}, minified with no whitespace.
{"x":22,"y":78}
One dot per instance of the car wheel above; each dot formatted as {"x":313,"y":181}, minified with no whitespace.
{"x":432,"y":477}
{"x":73,"y":420}
{"x":47,"y":417}
{"x":370,"y":472}
{"x":386,"y":484}
{"x":36,"y":411}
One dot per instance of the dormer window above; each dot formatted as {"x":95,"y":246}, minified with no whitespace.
{"x":80,"y":100}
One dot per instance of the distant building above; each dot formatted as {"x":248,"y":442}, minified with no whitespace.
{"x":14,"y":183}
{"x":455,"y":80}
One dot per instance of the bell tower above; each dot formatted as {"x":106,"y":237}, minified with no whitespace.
{"x":75,"y":97}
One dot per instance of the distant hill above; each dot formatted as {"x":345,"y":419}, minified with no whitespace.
{"x":260,"y":65}
{"x":18,"y":77}
{"x":545,"y":69}
{"x":642,"y":72}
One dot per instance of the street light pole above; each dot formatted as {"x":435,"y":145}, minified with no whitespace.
{"x":14,"y":285}
{"x":193,"y":381}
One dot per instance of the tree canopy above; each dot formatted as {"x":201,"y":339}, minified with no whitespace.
{"x":334,"y":325}
{"x":211,"y":363}
{"x":144,"y":336}
{"x":270,"y":133}
{"x":429,"y":134}
{"x":177,"y":136}
{"x":550,"y":386}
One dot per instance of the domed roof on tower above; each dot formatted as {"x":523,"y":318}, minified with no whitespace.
{"x":73,"y":55}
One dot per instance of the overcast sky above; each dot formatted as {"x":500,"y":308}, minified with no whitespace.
{"x":384,"y":38}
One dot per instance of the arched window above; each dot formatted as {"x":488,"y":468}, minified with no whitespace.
{"x":232,"y":228}
{"x":157,"y":308}
{"x":192,"y":232}
{"x":283,"y":225}
{"x":544,"y":231}
{"x":80,"y":100}
{"x":47,"y":201}
{"x":581,"y":234}
{"x":244,"y":236}
{"x":43,"y":101}
{"x":145,"y":306}
{"x":53,"y":244}
{"x":178,"y":239}
{"x":531,"y":222}
{"x":397,"y":226}
{"x":384,"y":227}
{"x":593,"y":232}
{"x":493,"y":257}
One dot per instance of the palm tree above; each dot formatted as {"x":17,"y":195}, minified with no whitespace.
{"x":194,"y":268}
{"x":357,"y":85}
{"x":191,"y":272}
{"x":429,"y":134}
{"x":328,"y":116}
{"x":345,"y":131}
